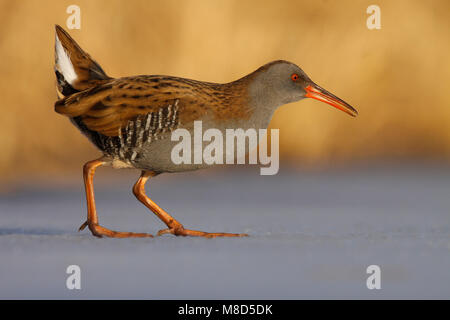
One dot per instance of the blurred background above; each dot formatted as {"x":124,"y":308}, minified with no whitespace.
{"x":351,"y":192}
{"x":397,"y":77}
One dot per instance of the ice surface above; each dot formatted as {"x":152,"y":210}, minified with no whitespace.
{"x":312,"y":235}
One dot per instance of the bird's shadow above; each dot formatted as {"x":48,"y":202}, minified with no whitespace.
{"x":31,"y":231}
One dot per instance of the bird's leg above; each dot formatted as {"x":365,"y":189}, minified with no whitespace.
{"x":92,"y":219}
{"x":174,"y":227}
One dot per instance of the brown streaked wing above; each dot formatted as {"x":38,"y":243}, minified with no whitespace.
{"x":109,"y":107}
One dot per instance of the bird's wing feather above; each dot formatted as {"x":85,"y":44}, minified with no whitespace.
{"x":109,"y":107}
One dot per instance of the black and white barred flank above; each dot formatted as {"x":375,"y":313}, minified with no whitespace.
{"x":144,"y":129}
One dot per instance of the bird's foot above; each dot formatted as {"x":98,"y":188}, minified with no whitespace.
{"x":100,"y":231}
{"x":181,"y":231}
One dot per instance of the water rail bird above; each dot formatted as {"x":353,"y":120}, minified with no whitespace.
{"x":130,"y":119}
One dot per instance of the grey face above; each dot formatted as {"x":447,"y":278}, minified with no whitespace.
{"x":282,"y":82}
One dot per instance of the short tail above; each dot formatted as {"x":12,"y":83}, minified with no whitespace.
{"x":75,"y":70}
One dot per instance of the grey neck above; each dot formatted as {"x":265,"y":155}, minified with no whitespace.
{"x":262,"y":94}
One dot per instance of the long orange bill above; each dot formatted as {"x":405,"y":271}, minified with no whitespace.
{"x":318,"y":93}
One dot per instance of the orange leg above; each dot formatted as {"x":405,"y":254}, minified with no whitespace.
{"x":92,"y":219}
{"x":174,"y":227}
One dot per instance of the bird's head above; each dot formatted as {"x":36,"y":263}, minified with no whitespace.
{"x":281,"y":82}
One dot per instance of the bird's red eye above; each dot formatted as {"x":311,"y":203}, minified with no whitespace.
{"x":294,"y":77}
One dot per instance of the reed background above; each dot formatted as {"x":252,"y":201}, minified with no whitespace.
{"x":397,"y":77}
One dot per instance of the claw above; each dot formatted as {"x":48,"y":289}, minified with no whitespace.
{"x":84,"y":225}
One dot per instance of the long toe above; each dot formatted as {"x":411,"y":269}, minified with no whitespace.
{"x":100,"y":231}
{"x":195,"y":233}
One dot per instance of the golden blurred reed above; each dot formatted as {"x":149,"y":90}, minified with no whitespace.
{"x":397,"y":77}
